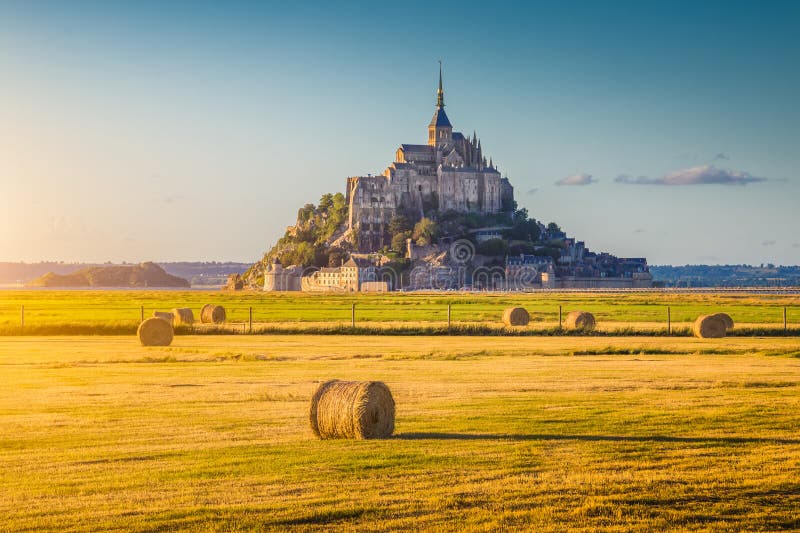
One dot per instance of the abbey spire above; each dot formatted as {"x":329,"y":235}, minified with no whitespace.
{"x":440,"y":131}
{"x":440,"y":92}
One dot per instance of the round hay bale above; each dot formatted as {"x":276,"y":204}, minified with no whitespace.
{"x":580,"y":321}
{"x":352,"y":410}
{"x":155,"y":332}
{"x":169,"y":317}
{"x":709,"y":327}
{"x":212,"y":314}
{"x":183,"y":316}
{"x":725,"y":317}
{"x":516,"y":316}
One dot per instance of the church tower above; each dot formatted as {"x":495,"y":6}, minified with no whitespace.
{"x":440,"y":131}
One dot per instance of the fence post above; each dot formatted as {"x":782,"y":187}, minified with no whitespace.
{"x":141,"y":314}
{"x":784,"y":320}
{"x":669,"y":321}
{"x":448,"y":316}
{"x":251,"y":320}
{"x":22,"y":318}
{"x":559,"y":317}
{"x":353,"y":316}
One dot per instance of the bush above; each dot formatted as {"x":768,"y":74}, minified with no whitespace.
{"x":493,"y":247}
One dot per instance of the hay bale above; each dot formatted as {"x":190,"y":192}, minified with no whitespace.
{"x":212,"y":314}
{"x":155,"y":332}
{"x":725,"y":317}
{"x":580,"y":321}
{"x":709,"y":327}
{"x":169,"y":317}
{"x":516,"y":316}
{"x":183,"y":316}
{"x":352,"y":410}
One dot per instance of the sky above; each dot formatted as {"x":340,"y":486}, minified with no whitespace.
{"x":169,"y":131}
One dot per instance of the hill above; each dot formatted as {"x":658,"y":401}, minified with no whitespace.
{"x":142,"y":275}
{"x":197,"y":272}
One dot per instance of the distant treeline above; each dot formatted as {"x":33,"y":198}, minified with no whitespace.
{"x":215,"y":273}
{"x":765,"y":275}
{"x":198,"y":273}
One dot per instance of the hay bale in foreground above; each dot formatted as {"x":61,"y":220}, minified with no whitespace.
{"x":725,"y":317}
{"x":169,"y":317}
{"x":183,"y":316}
{"x":352,"y":410}
{"x":212,"y":314}
{"x":155,"y":332}
{"x":516,"y":316}
{"x":709,"y":327}
{"x":580,"y":321}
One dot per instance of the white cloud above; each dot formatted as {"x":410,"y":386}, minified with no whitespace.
{"x":722,"y":156}
{"x":577,"y":179}
{"x":702,"y":175}
{"x":532,"y":191}
{"x":767,"y":243}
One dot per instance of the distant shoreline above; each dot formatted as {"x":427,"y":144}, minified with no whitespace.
{"x":19,"y":287}
{"x":794,"y":290}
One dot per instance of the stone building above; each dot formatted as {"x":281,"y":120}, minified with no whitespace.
{"x":278,"y":278}
{"x":450,"y":172}
{"x":354,"y":275}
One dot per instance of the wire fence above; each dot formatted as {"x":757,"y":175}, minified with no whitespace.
{"x":257,"y":319}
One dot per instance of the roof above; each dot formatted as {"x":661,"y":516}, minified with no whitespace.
{"x":457,"y":136}
{"x":474,"y":170}
{"x":360,"y":262}
{"x":440,"y":119}
{"x":416,"y":148}
{"x":489,"y":228}
{"x":528,"y":259}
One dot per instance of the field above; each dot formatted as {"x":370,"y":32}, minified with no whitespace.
{"x":117,"y":312}
{"x":493,"y":433}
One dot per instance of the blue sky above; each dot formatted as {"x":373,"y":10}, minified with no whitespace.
{"x":134,"y":131}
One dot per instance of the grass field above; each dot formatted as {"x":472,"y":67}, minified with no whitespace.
{"x":117,"y":312}
{"x":492,"y":433}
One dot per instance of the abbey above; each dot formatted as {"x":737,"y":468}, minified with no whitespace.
{"x":449,"y":173}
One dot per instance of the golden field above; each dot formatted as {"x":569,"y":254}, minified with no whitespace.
{"x":532,"y":433}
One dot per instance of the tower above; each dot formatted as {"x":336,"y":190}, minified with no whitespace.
{"x":440,"y":131}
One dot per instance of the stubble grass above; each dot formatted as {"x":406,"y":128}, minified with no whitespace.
{"x":534,"y":433}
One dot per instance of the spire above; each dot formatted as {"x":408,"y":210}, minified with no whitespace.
{"x":440,"y":92}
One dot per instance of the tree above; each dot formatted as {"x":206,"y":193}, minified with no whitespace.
{"x":493,"y":247}
{"x":339,"y":202}
{"x":425,"y":232}
{"x":522,"y":248}
{"x":336,"y":257}
{"x":399,"y":224}
{"x":553,"y":228}
{"x":325,"y":203}
{"x":399,"y":241}
{"x":306,"y":213}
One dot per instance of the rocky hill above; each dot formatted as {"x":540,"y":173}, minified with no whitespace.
{"x":141,"y":275}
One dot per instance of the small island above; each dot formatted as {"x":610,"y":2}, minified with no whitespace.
{"x":142,"y":275}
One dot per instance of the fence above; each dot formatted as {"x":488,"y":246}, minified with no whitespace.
{"x":653,"y":318}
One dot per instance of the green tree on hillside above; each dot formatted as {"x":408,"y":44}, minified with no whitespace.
{"x":425,"y":232}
